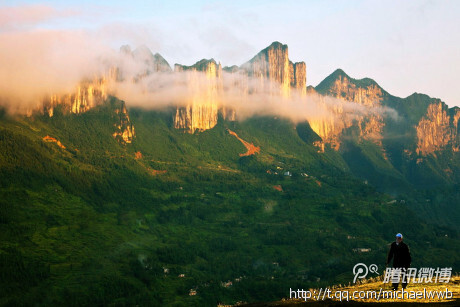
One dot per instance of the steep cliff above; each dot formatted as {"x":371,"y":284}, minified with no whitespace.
{"x":365,"y":92}
{"x":204,"y":80}
{"x":298,"y":74}
{"x":269,"y":71}
{"x":271,"y":64}
{"x":86,"y":95}
{"x":272,"y":67}
{"x":330,"y":126}
{"x":124,"y":129}
{"x":438,"y":129}
{"x":91,"y":93}
{"x":456,"y":124}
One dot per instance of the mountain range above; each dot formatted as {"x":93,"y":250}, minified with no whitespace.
{"x":203,"y":184}
{"x":414,"y":145}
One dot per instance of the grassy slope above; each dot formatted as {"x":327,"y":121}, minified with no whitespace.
{"x":436,"y":294}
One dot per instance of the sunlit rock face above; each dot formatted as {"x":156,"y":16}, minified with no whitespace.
{"x":456,"y":124}
{"x":271,"y":64}
{"x":204,"y":80}
{"x":270,"y":71}
{"x":344,"y":88}
{"x":328,"y":127}
{"x":124,"y":129}
{"x":298,"y":75}
{"x":272,"y":67}
{"x":86,"y":95}
{"x":363,"y":92}
{"x":90,"y":93}
{"x":438,"y":129}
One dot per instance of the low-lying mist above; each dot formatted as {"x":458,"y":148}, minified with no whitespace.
{"x":39,"y":63}
{"x":247,"y":96}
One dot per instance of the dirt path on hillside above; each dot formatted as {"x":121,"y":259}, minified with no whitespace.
{"x":252,"y":149}
{"x":53,"y":140}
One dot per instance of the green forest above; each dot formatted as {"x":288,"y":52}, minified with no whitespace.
{"x":101,"y":222}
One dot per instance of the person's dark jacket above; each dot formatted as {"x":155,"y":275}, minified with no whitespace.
{"x":401,"y":254}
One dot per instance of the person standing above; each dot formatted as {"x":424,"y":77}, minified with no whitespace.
{"x":400,"y":253}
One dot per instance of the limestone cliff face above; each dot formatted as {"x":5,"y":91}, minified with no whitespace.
{"x":271,"y":64}
{"x":94,"y":92}
{"x":329,"y":127}
{"x":456,"y":124}
{"x":298,"y":74}
{"x":367,"y":93}
{"x":86,"y":95}
{"x":269,"y":71}
{"x":371,"y":128}
{"x":272,"y":67}
{"x":364,"y":92}
{"x":124,"y":129}
{"x":204,"y":80}
{"x":437,"y":129}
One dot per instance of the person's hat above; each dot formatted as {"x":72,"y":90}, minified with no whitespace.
{"x":398,"y":235}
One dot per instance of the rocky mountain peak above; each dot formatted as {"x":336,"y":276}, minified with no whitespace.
{"x":209,"y":66}
{"x":231,"y":69}
{"x":273,"y":64}
{"x":273,"y":46}
{"x":160,"y":64}
{"x":153,"y":62}
{"x":364,"y":91}
{"x":125,"y":49}
{"x":142,"y":52}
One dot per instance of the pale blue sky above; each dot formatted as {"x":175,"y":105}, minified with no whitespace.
{"x":406,"y":46}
